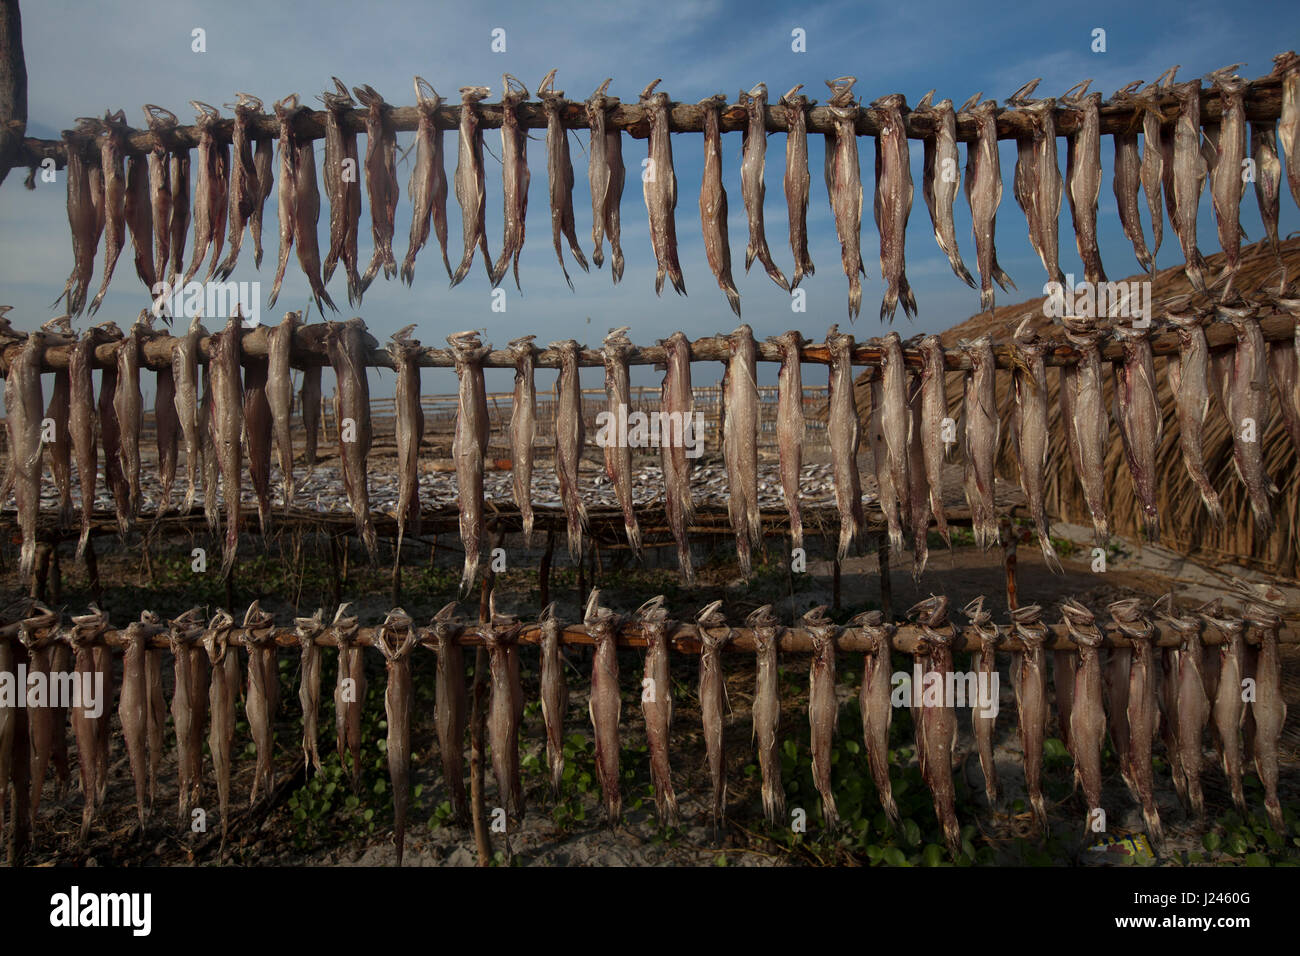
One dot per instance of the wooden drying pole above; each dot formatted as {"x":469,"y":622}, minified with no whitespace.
{"x":1263,"y":102}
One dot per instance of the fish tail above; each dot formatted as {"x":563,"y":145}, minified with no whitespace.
{"x":959,"y":268}
{"x":1049,"y":553}
{"x":906,"y":297}
{"x":616,"y":265}
{"x":733,"y":298}
{"x":855,"y":297}
{"x":986,"y":298}
{"x":889,"y":304}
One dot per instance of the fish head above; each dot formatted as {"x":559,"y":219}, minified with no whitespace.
{"x":793,"y":97}
{"x":513,"y":89}
{"x":761,"y":617}
{"x":599,"y":99}
{"x":159,"y":118}
{"x":711,"y":615}
{"x":1021,"y":96}
{"x":1126,"y":610}
{"x":469,"y":95}
{"x":925,"y":104}
{"x":426,"y":96}
{"x":1025,"y":333}
{"x":933,"y":611}
{"x":649,"y":90}
{"x":594,"y":613}
{"x":546,"y":87}
{"x":815,"y":617}
{"x":976,"y":612}
{"x":308,"y":627}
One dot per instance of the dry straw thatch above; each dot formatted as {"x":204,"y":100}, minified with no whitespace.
{"x":1184,"y":522}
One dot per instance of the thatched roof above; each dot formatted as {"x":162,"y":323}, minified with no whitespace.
{"x":1184,"y":524}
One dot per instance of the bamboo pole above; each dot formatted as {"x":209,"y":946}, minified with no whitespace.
{"x":1263,"y":102}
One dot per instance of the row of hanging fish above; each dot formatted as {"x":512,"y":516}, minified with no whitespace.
{"x":246,"y":403}
{"x":116,"y":193}
{"x":1131,"y":693}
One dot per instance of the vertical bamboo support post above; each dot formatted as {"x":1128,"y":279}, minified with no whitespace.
{"x":886,"y":586}
{"x":1009,"y":561}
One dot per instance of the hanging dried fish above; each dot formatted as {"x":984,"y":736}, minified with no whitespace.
{"x":1029,"y":678}
{"x":224,"y":663}
{"x":111,"y":135}
{"x":713,"y":702}
{"x":895,"y":426}
{"x":1287,"y":66}
{"x":138,"y":214}
{"x":1083,"y":177}
{"x":83,"y":225}
{"x":893,"y":203}
{"x":307,"y":629}
{"x":285,"y":111}
{"x":1087,"y":714}
{"x":178,"y":172}
{"x":1193,"y":703}
{"x":980,"y":413}
{"x":349,"y":694}
{"x":523,"y":431}
{"x":559,"y":169}
{"x":677,"y":405}
{"x":606,"y":172}
{"x":397,"y":709}
{"x":1189,"y":172}
{"x":1229,"y":706}
{"x":767,"y":709}
{"x":1024,"y":184}
{"x":940,"y":180}
{"x":469,"y":447}
{"x":918,"y":489}
{"x":890,"y":506}
{"x":86,"y":728}
{"x":983,"y":187}
{"x":59,"y":411}
{"x":381,"y":182}
{"x":410,"y":432}
{"x":260,"y":698}
{"x":279,"y":397}
{"x":843,"y":430}
{"x":569,"y":438}
{"x":844,"y":184}
{"x":500,"y":635}
{"x":43,"y":726}
{"x":227,"y":426}
{"x":258,"y":432}
{"x":822,"y":710}
{"x":797,"y":180}
{"x":81,"y":419}
{"x":245,"y":190}
{"x":428,"y":184}
{"x":713,"y":203}
{"x":618,"y":453}
{"x":1246,"y":401}
{"x":167,"y":427}
{"x":555,"y":697}
{"x":984,"y":663}
{"x":110,"y":433}
{"x":1269,"y":706}
{"x":1268,"y":179}
{"x":790,"y":427}
{"x":740,"y":416}
{"x":659,"y":184}
{"x":1227,"y":185}
{"x":471,"y":192}
{"x":128,"y":405}
{"x":1029,"y":430}
{"x":1141,"y":425}
{"x":1142,"y":706}
{"x":1189,"y":384}
{"x":340,"y":169}
{"x":1087,"y":428}
{"x":751,"y":181}
{"x":605,"y":705}
{"x":1128,"y":179}
{"x":263,"y":165}
{"x":934,"y":410}
{"x":515,"y":178}
{"x":185,"y":379}
{"x":452,"y":713}
{"x":346,"y":345}
{"x":1156,"y":168}
{"x":209,"y":191}
{"x":936,"y":731}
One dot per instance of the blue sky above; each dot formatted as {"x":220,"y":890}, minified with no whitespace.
{"x":85,"y":57}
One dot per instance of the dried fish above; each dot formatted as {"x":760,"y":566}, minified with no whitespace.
{"x":224,"y":663}
{"x":569,"y":437}
{"x":138,"y":214}
{"x":1227,"y":185}
{"x":110,"y":434}
{"x":262,"y":695}
{"x":618,"y":453}
{"x":1189,"y":172}
{"x":381,"y":182}
{"x":307,"y":629}
{"x":279,"y":396}
{"x":606,"y":173}
{"x":178,"y":172}
{"x":43,"y":726}
{"x":890,"y":506}
{"x":713,"y":702}
{"x":469,"y":447}
{"x":1083,"y":178}
{"x":128,"y":405}
{"x":605,"y":705}
{"x":515,"y":178}
{"x":452,"y":712}
{"x":659,"y":184}
{"x":349,"y":694}
{"x":258,"y":432}
{"x":1193,"y":704}
{"x":1189,"y":384}
{"x":500,"y":636}
{"x":340,"y":169}
{"x":111,"y":134}
{"x":471,"y":192}
{"x":263,"y":165}
{"x":1029,"y":677}
{"x":132,"y":710}
{"x":559,"y":169}
{"x":940,"y":180}
{"x":227,"y":427}
{"x":1287,"y":66}
{"x":410,"y":432}
{"x":1087,"y":715}
{"x":1142,"y":706}
{"x":895,"y":427}
{"x":752,"y":188}
{"x":86,"y":728}
{"x":285,"y":111}
{"x":1087,"y":428}
{"x":980,"y":413}
{"x":934,"y":411}
{"x":1029,"y":430}
{"x":677,"y":404}
{"x":1141,"y":425}
{"x":767,"y":709}
{"x":713,"y":203}
{"x":1269,"y":706}
{"x":428,"y":184}
{"x":797,"y":180}
{"x":167,"y":426}
{"x":397,"y":708}
{"x":82,"y":223}
{"x":1268,"y":179}
{"x":1246,"y":401}
{"x":843,"y":430}
{"x":790,"y":427}
{"x":983,"y":188}
{"x":844,"y":184}
{"x":740,"y":416}
{"x":1229,"y":706}
{"x":346,"y":346}
{"x":209,"y":190}
{"x":185,"y":380}
{"x":81,"y":419}
{"x":822,"y":711}
{"x":936,"y":731}
{"x":523,"y":431}
{"x":58,"y":411}
{"x":245,"y":191}
{"x":1128,"y":180}
{"x":984,"y":663}
{"x":555,"y":696}
{"x":893,"y":203}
